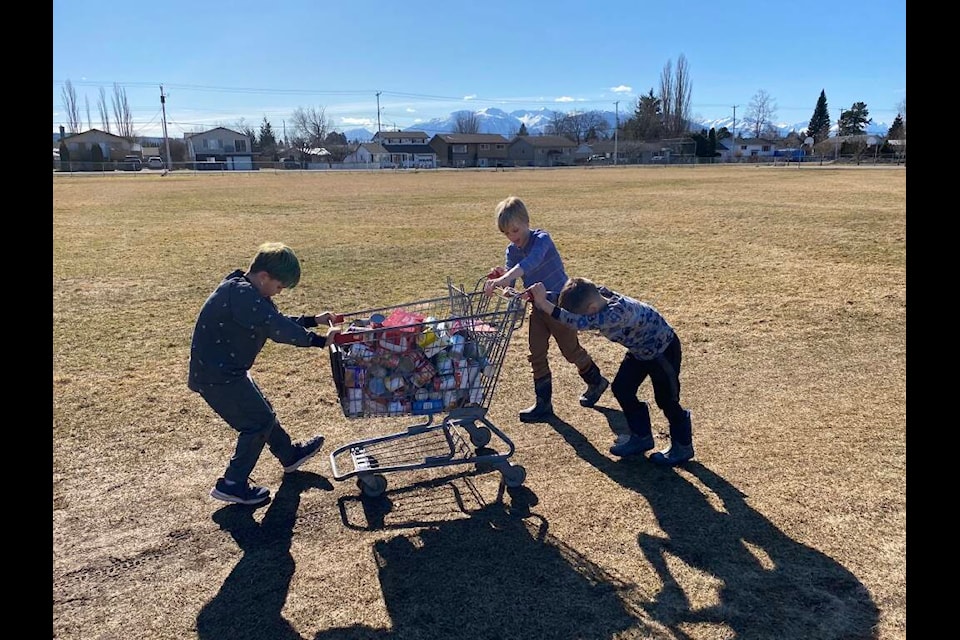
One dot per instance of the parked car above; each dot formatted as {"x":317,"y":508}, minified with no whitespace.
{"x":290,"y":163}
{"x":597,"y":158}
{"x":132,"y":163}
{"x":154,"y":162}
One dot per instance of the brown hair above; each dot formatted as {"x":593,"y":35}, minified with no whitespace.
{"x":577,"y":294}
{"x":279,"y":262}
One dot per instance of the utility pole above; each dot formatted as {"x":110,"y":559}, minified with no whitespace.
{"x":166,"y":138}
{"x":735,"y":123}
{"x":378,"y":111}
{"x":616,"y":131}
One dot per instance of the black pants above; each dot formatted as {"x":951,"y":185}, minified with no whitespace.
{"x":664,"y":372}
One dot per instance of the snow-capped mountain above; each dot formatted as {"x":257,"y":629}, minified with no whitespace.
{"x":493,"y":120}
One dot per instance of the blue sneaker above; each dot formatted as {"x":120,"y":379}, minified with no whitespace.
{"x":673,"y":455}
{"x":633,"y":445}
{"x":239,"y":492}
{"x":304,"y":451}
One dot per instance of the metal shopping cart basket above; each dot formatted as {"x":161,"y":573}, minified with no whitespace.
{"x":424,"y":358}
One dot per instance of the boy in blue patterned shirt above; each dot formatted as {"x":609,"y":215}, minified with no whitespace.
{"x":234,"y":323}
{"x":653,"y":349}
{"x":532,"y":256}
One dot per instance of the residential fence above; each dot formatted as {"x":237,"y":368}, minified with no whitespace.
{"x":86,"y":167}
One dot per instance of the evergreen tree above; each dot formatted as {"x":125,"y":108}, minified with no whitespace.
{"x":647,"y":120}
{"x":523,"y":129}
{"x":819,"y":127}
{"x":897,"y":130}
{"x":854,"y":121}
{"x":268,"y":142}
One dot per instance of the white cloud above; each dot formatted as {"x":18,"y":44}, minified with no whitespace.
{"x":622,"y":89}
{"x":356,"y":122}
{"x":564,"y":99}
{"x":410,"y":110}
{"x":470,"y":97}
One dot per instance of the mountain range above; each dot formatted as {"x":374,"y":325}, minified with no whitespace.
{"x":493,"y":120}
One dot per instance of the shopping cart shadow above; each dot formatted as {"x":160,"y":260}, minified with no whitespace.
{"x":707,"y":523}
{"x":435,"y":500}
{"x":251,"y":599}
{"x":491,"y":576}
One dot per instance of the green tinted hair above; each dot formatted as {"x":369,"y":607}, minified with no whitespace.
{"x":509,"y":210}
{"x":577,"y":294}
{"x":279,"y":262}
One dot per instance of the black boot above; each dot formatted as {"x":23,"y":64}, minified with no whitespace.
{"x":542,"y":411}
{"x":639,"y":439}
{"x":681,"y":443}
{"x":596,"y":385}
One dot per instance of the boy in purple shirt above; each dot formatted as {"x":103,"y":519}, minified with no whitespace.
{"x":234,"y":323}
{"x":653,"y":349}
{"x":532,"y":256}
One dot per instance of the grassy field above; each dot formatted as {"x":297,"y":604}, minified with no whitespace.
{"x":786,"y":286}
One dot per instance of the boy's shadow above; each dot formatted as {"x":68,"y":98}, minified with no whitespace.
{"x":250,"y":602}
{"x":487,"y":577}
{"x":770,"y":586}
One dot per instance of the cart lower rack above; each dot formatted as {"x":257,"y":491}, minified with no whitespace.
{"x":435,"y":356}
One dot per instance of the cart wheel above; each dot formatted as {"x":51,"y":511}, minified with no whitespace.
{"x":372,"y":486}
{"x":514,"y":475}
{"x":480,"y":436}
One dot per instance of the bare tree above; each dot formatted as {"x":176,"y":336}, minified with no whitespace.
{"x":666,"y":99}
{"x":466,"y":122}
{"x":310,"y":127}
{"x":246,"y":129}
{"x":675,"y":89}
{"x":86,"y":102}
{"x":560,"y":125}
{"x":70,"y":107}
{"x":760,"y":114}
{"x":102,"y":108}
{"x":681,"y":95}
{"x":122,"y":116}
{"x":586,"y":125}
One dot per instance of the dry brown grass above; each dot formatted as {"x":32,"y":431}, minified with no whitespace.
{"x":788,"y":288}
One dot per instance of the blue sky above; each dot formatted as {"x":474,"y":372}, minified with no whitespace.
{"x":221,"y":63}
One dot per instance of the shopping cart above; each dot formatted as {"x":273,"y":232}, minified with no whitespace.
{"x":436,"y":356}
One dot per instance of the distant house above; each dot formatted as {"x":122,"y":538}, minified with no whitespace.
{"x":542,"y":151}
{"x":220,"y":149}
{"x":753,"y":148}
{"x":407,"y":149}
{"x":470,"y":149}
{"x":368,"y":155}
{"x":109,"y":149}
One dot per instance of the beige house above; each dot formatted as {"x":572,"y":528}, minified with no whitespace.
{"x":109,"y":148}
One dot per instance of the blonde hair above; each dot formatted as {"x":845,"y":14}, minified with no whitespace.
{"x":511,"y":209}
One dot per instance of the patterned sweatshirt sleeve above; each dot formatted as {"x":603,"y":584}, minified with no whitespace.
{"x":252,"y":310}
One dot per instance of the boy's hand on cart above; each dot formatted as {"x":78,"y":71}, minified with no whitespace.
{"x":328,"y":318}
{"x":535,"y":293}
{"x":332,"y":333}
{"x":493,"y":280}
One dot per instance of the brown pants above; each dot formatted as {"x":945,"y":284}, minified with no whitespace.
{"x":542,"y":326}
